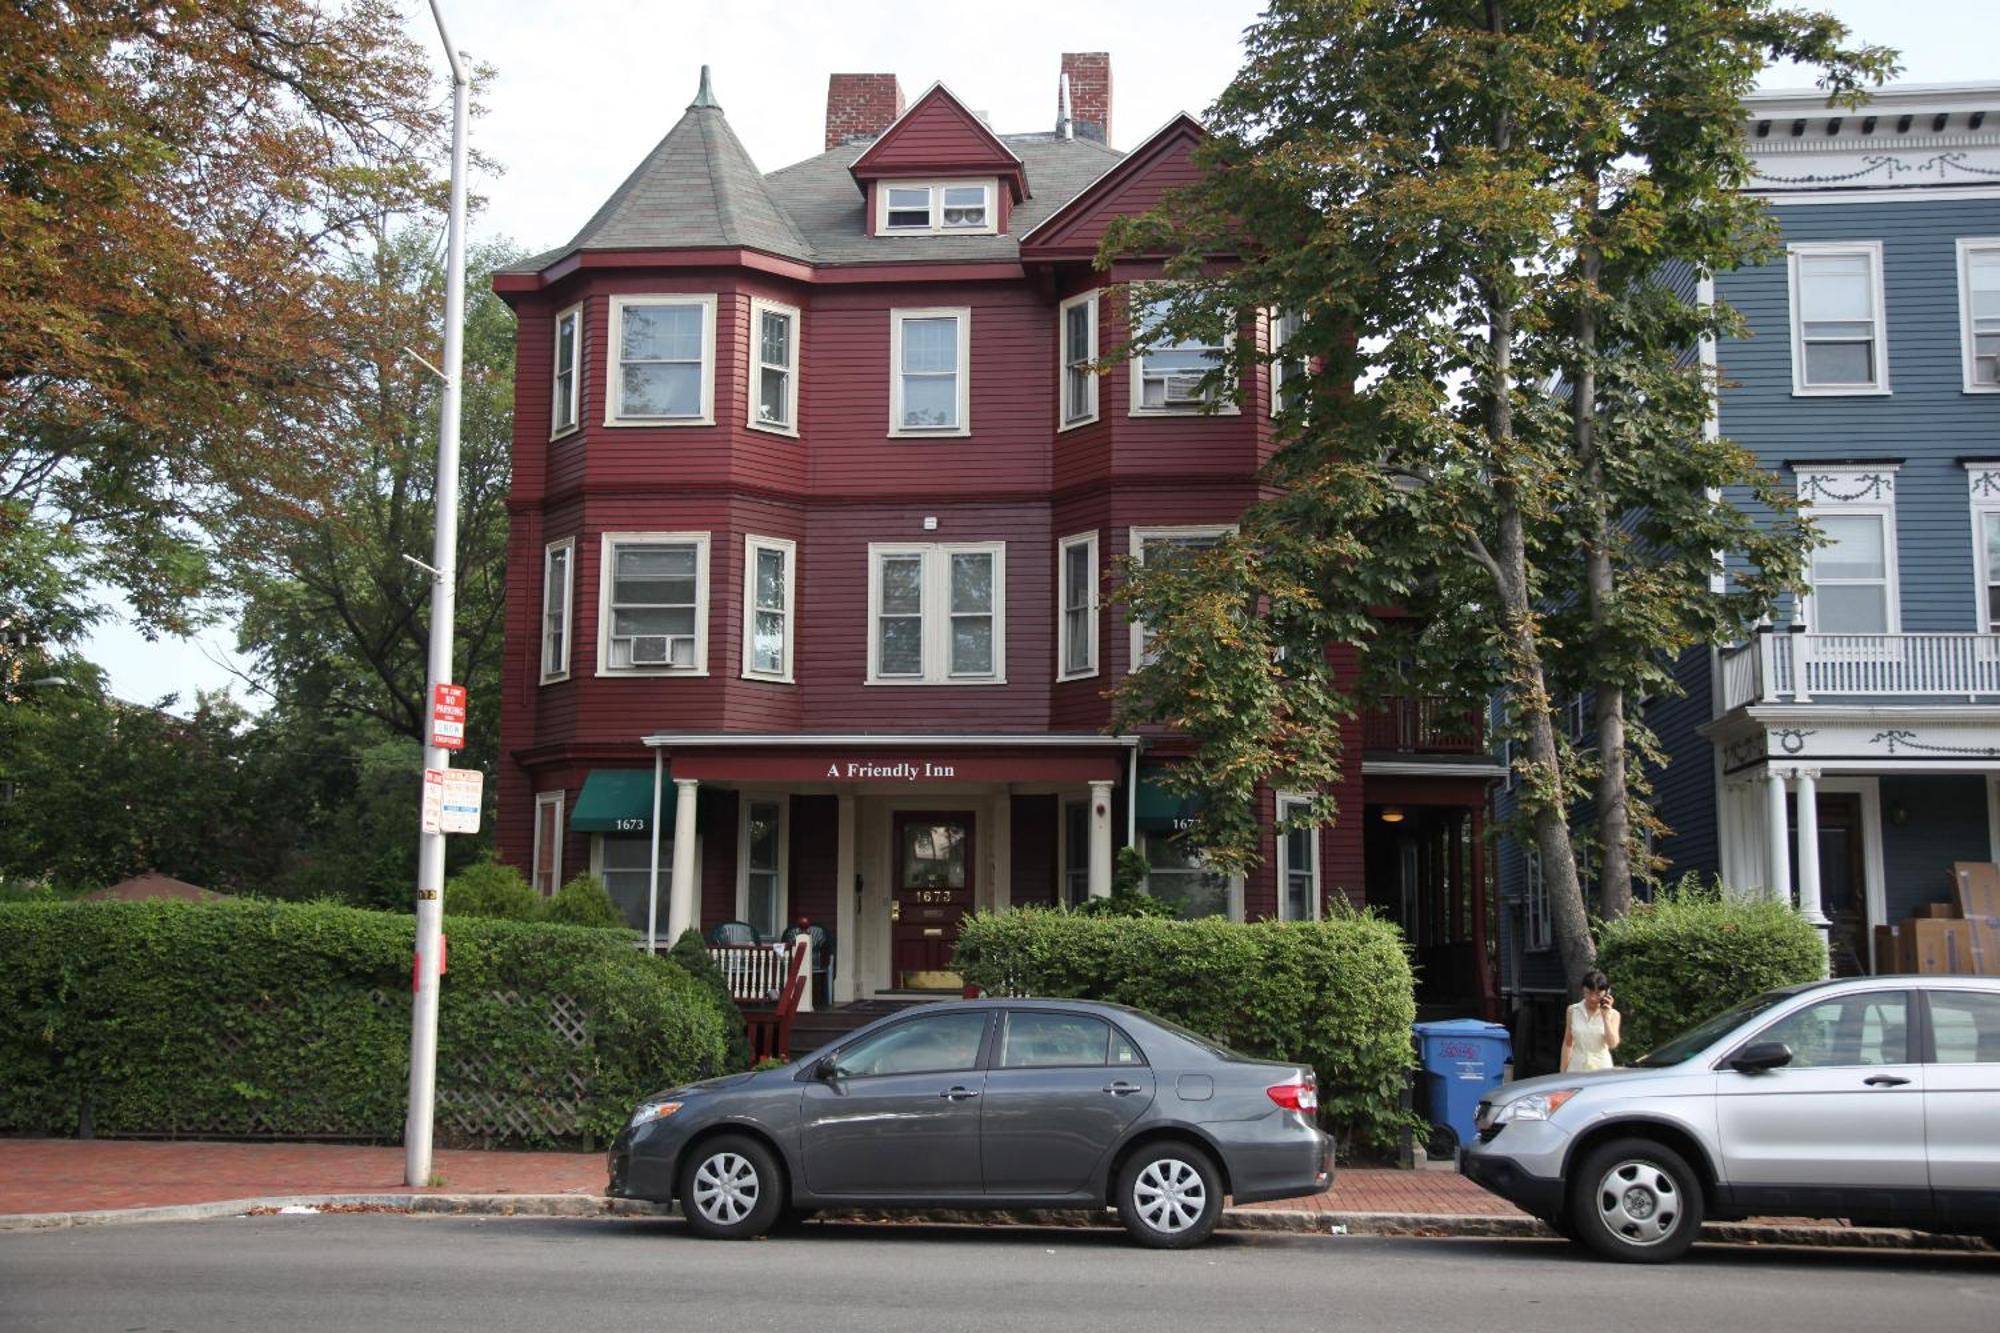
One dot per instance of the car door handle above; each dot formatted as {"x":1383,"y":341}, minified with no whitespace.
{"x":958,"y":1094}
{"x":1885,"y":1081}
{"x":1122,"y":1088}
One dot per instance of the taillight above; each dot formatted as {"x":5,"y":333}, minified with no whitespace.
{"x":1298,"y":1094}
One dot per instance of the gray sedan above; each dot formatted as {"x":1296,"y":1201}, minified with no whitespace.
{"x":987,"y":1104}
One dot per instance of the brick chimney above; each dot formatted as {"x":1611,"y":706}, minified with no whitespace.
{"x":860,"y":106}
{"x":1089,"y":93}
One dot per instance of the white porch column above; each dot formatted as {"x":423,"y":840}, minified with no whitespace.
{"x":680,"y":898}
{"x":1778,"y":835}
{"x":1100,"y":839}
{"x":653,"y":865}
{"x":1809,"y":901}
{"x":846,"y":916}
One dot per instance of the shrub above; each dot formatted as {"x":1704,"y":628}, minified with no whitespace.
{"x":293,"y":1020}
{"x":1127,"y":904}
{"x":692,"y":955}
{"x":491,"y":889}
{"x":583,"y":902}
{"x":1335,"y":994}
{"x":1694,"y":952}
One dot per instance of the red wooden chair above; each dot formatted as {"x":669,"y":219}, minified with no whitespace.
{"x":770,"y":1030}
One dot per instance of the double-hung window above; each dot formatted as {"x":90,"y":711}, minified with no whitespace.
{"x":1298,"y":863}
{"x":1287,"y":368}
{"x":546,"y":856}
{"x":663,"y":366}
{"x":930,"y":372}
{"x":558,"y":579}
{"x":654,"y":600}
{"x":1979,"y":307}
{"x":1983,"y":483}
{"x":769,"y":578}
{"x":774,"y":346}
{"x":936,"y":206}
{"x":937,"y":614}
{"x":1853,"y":576}
{"x":1155,"y":546}
{"x":1839,"y":339}
{"x":1076,"y":331}
{"x":566,"y":389}
{"x":1176,"y":873}
{"x":1172,"y":374}
{"x":1076,"y":614}
{"x":760,"y":870}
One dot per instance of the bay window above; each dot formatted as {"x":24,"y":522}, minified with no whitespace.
{"x":566,"y":392}
{"x":663,"y":367}
{"x":937,"y":614}
{"x":774,"y":345}
{"x":653,"y":601}
{"x":1076,"y":613}
{"x":558,"y":575}
{"x":1171,"y":374}
{"x":930,"y":372}
{"x":1153,"y":546}
{"x":1076,"y":331}
{"x":769,"y":578}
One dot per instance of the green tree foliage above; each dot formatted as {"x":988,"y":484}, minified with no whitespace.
{"x":1461,"y":203}
{"x":489,"y":889}
{"x":692,"y":954}
{"x":583,"y":902}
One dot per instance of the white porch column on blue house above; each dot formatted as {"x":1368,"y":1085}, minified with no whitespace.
{"x":1780,"y":863}
{"x":1808,"y":805}
{"x":1100,"y":840}
{"x":680,"y":897}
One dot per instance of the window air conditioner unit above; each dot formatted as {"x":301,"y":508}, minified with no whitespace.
{"x":649,"y":650}
{"x":1183,"y":389}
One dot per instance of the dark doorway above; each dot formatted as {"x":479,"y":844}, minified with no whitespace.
{"x":1843,"y":894}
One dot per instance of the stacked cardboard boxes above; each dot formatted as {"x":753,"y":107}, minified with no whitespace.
{"x":1960,"y":937}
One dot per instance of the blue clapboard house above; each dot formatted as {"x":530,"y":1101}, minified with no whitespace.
{"x":1849,"y":753}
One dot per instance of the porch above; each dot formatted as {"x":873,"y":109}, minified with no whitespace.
{"x":1799,"y":667}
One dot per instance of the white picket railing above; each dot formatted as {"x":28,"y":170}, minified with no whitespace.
{"x":757,"y":972}
{"x":1797,"y":668}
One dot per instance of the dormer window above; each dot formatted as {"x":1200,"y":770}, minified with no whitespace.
{"x":936,"y":206}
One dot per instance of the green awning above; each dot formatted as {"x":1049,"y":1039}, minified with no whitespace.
{"x":1160,"y":810}
{"x":620,"y":800}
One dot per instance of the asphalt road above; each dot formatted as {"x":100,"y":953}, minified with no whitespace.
{"x":499,"y":1275}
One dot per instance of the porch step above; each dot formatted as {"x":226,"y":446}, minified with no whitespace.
{"x":824,"y":1027}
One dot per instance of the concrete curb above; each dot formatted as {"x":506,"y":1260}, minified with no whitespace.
{"x":1292,"y":1221}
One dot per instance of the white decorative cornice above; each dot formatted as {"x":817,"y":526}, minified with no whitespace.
{"x":1832,"y":487}
{"x":1914,"y":137}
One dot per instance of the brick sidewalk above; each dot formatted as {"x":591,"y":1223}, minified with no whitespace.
{"x":68,"y":1175}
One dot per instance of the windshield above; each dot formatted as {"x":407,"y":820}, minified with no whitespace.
{"x":1702,"y":1035}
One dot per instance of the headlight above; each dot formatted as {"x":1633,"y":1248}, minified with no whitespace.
{"x":650,"y":1111}
{"x":1534,"y":1106}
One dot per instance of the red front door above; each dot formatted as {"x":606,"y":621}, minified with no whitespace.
{"x":933,"y":893}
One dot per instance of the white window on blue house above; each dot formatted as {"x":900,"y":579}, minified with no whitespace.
{"x":1853,"y":576}
{"x":1979,"y":307}
{"x":1839,"y":338}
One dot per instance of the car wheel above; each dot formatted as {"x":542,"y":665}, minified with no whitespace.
{"x":1636,"y":1201}
{"x":731,"y":1189}
{"x":1169,"y":1196}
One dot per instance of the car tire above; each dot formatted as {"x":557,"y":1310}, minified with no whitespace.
{"x":731,"y":1188}
{"x":1169,"y":1196}
{"x":1636,"y":1201}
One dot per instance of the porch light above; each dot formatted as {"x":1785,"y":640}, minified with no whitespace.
{"x":1392,"y":815}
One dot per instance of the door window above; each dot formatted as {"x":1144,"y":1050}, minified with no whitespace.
{"x":1965,"y":1027}
{"x":1047,"y":1041}
{"x":945,"y":1043}
{"x":1869,"y":1029}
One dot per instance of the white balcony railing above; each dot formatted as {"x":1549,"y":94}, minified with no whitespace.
{"x":1776,"y":667}
{"x":758,"y":972}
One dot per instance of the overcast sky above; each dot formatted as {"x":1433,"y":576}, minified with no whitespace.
{"x":584,"y":88}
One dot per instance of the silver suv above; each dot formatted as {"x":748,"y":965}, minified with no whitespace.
{"x":1874,"y":1099}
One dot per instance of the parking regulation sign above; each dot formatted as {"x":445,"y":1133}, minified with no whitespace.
{"x":452,"y":797}
{"x":448,"y":717}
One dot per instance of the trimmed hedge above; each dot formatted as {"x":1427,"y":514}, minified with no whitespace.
{"x":1336,"y":994}
{"x":583,"y":902}
{"x":293,"y":1021}
{"x":1693,"y":953}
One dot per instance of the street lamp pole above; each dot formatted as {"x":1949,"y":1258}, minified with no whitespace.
{"x":444,"y":599}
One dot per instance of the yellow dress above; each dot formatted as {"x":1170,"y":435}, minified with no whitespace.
{"x":1588,"y":1048}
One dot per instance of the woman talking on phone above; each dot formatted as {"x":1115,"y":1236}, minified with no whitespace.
{"x":1590,"y":1030}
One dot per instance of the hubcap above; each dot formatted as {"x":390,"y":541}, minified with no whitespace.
{"x":725,"y":1188}
{"x":1170,"y":1195}
{"x":1639,"y":1203}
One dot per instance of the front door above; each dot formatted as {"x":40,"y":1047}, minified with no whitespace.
{"x":1842,"y":895}
{"x":933,"y":894}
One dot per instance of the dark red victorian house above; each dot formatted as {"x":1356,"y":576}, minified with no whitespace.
{"x":816,"y":502}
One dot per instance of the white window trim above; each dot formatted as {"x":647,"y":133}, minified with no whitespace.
{"x":1228,"y":405}
{"x":1982,"y":488}
{"x":1966,"y":246}
{"x":545,"y":800}
{"x":1287,"y":799}
{"x":936,"y":558}
{"x":1146,"y":837}
{"x":568,"y":546}
{"x":556,"y":427}
{"x":606,"y":567}
{"x":1275,"y":322}
{"x":1064,"y":356}
{"x":1135,"y":547}
{"x":1088,"y":540}
{"x":743,"y":803}
{"x":963,"y":314}
{"x":614,"y":365}
{"x":754,"y":392}
{"x":1873,"y":250}
{"x":937,"y":186}
{"x":790,"y":550}
{"x":1883,"y":504}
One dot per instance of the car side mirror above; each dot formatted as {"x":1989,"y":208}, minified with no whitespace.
{"x":827,"y":1070}
{"x":1761,"y":1057}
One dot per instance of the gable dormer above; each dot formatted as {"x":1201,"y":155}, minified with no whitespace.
{"x":938,"y":170}
{"x":1165,"y":161}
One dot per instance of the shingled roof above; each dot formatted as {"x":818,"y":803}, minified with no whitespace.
{"x":699,"y":190}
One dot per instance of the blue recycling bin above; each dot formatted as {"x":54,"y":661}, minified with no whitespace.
{"x":1462,"y":1060}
